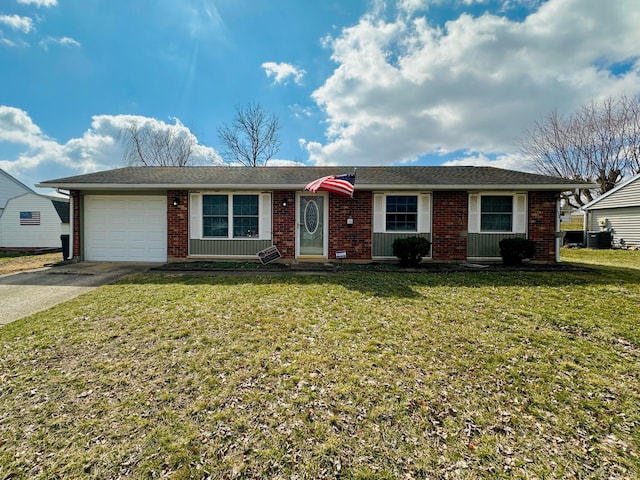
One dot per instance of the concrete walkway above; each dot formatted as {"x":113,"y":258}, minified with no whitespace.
{"x":26,"y":293}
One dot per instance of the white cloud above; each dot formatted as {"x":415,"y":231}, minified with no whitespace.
{"x":281,"y":72}
{"x":275,"y":162}
{"x":6,"y":42}
{"x":513,"y":161}
{"x":62,"y":41}
{"x":99,"y":148}
{"x":17,"y":127}
{"x":24,"y":24}
{"x":404,"y":88}
{"x":411,"y":6}
{"x":39,"y":3}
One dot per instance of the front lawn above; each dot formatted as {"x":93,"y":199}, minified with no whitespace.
{"x":350,"y":375}
{"x":13,"y":263}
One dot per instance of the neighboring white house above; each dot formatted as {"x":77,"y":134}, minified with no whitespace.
{"x":30,"y":220}
{"x":10,"y":188}
{"x":617,"y":211}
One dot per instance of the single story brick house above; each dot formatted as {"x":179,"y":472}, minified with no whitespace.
{"x":168,"y":214}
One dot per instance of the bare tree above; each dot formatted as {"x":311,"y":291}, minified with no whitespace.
{"x":599,"y":143}
{"x":159,"y":146}
{"x":252,"y":139}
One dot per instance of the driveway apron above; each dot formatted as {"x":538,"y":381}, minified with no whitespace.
{"x":26,"y":293}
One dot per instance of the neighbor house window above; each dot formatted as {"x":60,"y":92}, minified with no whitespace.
{"x":496,"y":213}
{"x":402,"y":213}
{"x":225,"y":216}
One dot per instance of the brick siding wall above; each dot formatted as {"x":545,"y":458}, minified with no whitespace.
{"x":177,"y":224}
{"x":77,"y":229}
{"x":542,"y":224}
{"x":450,"y":226}
{"x":355,"y":239}
{"x":284,"y":222}
{"x":449,"y":229}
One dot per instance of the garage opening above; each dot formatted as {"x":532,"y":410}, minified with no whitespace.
{"x":125,"y":228}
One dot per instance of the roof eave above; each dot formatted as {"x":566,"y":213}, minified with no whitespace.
{"x":289,"y":186}
{"x":516,"y":186}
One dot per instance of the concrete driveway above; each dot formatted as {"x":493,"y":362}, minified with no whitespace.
{"x":26,"y":293}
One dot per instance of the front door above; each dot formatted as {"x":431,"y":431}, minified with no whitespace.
{"x":311,"y":228}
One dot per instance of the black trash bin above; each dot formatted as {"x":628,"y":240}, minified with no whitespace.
{"x":65,"y":246}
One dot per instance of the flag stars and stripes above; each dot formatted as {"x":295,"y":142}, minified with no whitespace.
{"x":339,"y":184}
{"x":29,"y":218}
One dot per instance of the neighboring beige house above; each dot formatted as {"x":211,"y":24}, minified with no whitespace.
{"x":29,"y":220}
{"x":618,"y":212}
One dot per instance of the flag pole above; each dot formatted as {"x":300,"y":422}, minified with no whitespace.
{"x":354,"y":182}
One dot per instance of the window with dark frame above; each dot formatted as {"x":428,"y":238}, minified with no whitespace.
{"x":215,"y":216}
{"x":496,"y":213}
{"x":244,"y":220}
{"x":402,"y":213}
{"x":245,"y":216}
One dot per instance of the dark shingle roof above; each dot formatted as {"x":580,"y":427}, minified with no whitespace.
{"x":62,"y":207}
{"x":296,"y":177}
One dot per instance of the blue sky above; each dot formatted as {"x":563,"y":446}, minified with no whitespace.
{"x":357,"y":82}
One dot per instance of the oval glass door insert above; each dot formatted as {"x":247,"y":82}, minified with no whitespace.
{"x":311,"y":217}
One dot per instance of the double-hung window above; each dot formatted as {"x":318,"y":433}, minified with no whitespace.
{"x":496,"y":213}
{"x":245,"y":216}
{"x":401,"y":213}
{"x":215,"y":216}
{"x":230,"y":216}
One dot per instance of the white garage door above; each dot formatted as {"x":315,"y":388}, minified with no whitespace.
{"x":125,"y":229}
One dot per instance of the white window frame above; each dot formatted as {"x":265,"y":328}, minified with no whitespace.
{"x":519,"y":212}
{"x":196,"y":211}
{"x":423,"y":218}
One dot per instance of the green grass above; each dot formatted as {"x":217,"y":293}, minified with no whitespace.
{"x":353,"y":375}
{"x":610,"y":258}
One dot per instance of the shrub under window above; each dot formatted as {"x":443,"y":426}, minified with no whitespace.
{"x":514,"y":250}
{"x":410,"y":250}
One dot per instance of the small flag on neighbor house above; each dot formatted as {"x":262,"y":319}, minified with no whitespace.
{"x":29,"y":218}
{"x":340,"y":184}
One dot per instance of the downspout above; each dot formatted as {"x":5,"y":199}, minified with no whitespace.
{"x":585,"y":228}
{"x":68,"y":194}
{"x":558,"y":237}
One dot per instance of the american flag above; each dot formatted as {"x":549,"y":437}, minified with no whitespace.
{"x":29,"y":218}
{"x":340,"y":184}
